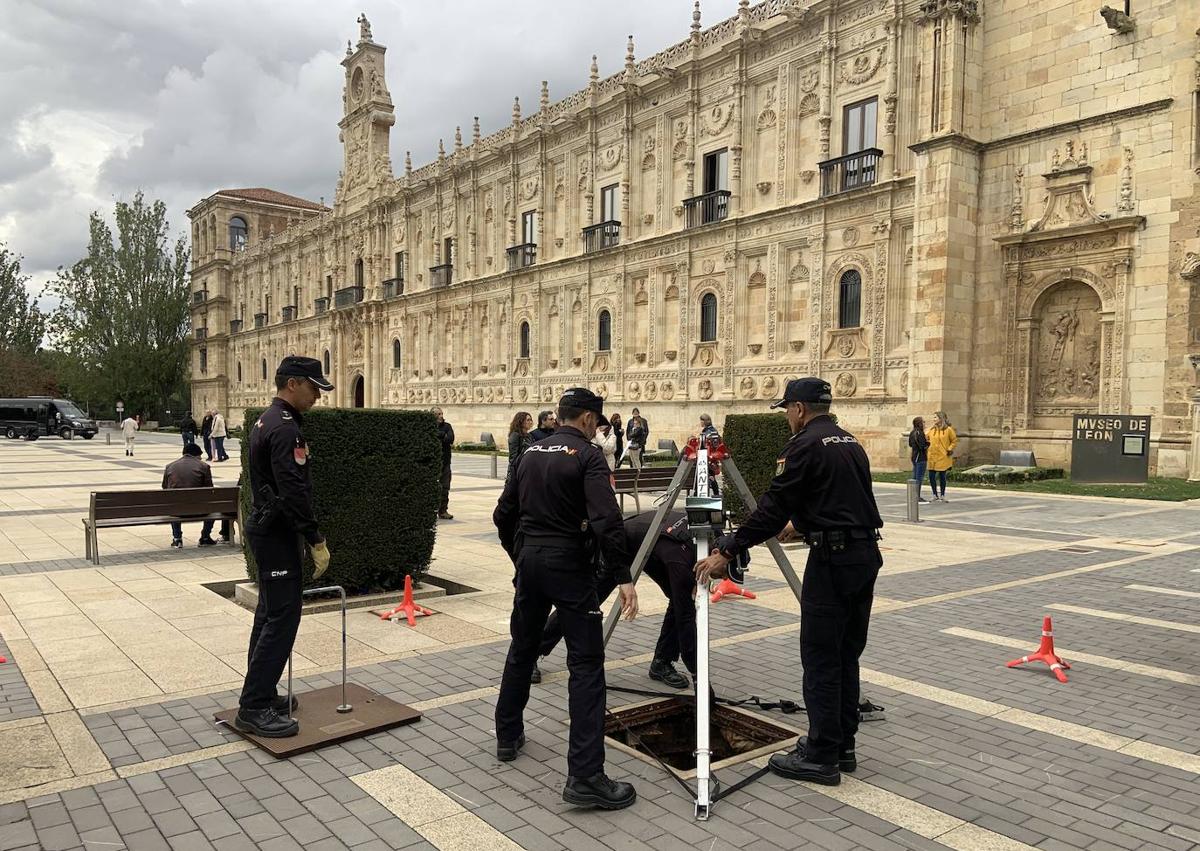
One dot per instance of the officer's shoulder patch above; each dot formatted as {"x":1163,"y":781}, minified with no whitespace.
{"x":285,"y":415}
{"x":779,"y":465}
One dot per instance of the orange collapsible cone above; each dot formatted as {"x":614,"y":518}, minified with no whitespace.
{"x":407,"y":606}
{"x":728,"y":587}
{"x":1045,"y":653}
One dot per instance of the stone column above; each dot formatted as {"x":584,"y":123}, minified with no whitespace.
{"x":1194,"y":454}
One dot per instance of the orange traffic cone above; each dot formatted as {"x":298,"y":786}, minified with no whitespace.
{"x":728,"y":587}
{"x":407,"y":606}
{"x":1045,"y":653}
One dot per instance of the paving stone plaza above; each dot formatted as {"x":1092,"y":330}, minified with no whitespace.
{"x":114,"y":672}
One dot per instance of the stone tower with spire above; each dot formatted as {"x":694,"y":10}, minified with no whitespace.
{"x":367,"y":118}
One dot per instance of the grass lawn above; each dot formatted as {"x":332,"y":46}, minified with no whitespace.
{"x":1171,"y":490}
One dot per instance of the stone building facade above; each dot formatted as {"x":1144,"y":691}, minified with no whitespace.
{"x":987,"y":208}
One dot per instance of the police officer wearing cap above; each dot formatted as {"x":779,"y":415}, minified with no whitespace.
{"x":822,"y":492}
{"x":557,"y":508}
{"x":282,"y":517}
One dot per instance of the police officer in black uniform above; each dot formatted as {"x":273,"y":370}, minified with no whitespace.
{"x":282,"y":516}
{"x":822,"y":485}
{"x":557,"y":506}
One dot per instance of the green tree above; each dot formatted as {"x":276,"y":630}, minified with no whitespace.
{"x":123,"y":317}
{"x":24,"y":324}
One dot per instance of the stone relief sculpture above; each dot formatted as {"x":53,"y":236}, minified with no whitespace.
{"x":1068,"y":345}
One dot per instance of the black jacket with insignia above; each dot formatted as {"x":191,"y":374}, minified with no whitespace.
{"x":822,"y":483}
{"x":279,"y":460}
{"x":561,"y":491}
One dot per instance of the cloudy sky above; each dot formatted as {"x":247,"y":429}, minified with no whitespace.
{"x":184,"y":97}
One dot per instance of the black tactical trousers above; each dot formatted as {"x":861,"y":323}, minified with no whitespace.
{"x":677,"y":638}
{"x":446,"y":476}
{"x":835,"y":609}
{"x":276,"y":618}
{"x":563,"y":578}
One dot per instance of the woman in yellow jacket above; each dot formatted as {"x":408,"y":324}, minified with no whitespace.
{"x":942,"y":441}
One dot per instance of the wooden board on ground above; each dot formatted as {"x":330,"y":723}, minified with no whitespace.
{"x":321,"y":724}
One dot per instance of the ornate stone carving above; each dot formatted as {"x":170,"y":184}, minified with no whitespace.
{"x":704,"y":389}
{"x":1068,"y":345}
{"x":850,"y":237}
{"x":651,"y":390}
{"x":716,"y":119}
{"x":667,"y":389}
{"x":1189,"y":269}
{"x":862,"y":67}
{"x":1016,"y":213}
{"x":1125,"y":192}
{"x":810,"y":104}
{"x":769,"y":387}
{"x":766,"y":115}
{"x":845,"y":384}
{"x":1068,"y":200}
{"x":807,"y":175}
{"x":634,"y":391}
{"x":809,"y":79}
{"x":611,"y":157}
{"x":747,"y":387}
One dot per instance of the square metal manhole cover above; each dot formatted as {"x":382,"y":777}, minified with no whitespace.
{"x":1082,"y":551}
{"x":667,"y":728}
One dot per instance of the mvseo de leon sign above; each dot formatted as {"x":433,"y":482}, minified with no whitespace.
{"x":1110,"y":449}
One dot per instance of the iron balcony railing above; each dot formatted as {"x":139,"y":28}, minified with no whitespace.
{"x":707,"y":208}
{"x":393,"y":287}
{"x":600,"y":236}
{"x":288,"y":313}
{"x":851,"y":171}
{"x":440,"y":276}
{"x":347,"y":296}
{"x":199,"y":296}
{"x":320,"y":305}
{"x":260,"y":320}
{"x":235,"y":326}
{"x":520,"y":256}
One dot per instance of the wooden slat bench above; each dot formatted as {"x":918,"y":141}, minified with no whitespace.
{"x":111,"y":509}
{"x":647,"y":480}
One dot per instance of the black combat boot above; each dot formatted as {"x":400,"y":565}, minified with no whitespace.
{"x":599,"y":791}
{"x":795,"y":765}
{"x":507,"y":752}
{"x":266,"y":723}
{"x":665,"y":673}
{"x":847,"y":762}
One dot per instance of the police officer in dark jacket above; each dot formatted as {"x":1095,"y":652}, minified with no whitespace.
{"x":282,"y":515}
{"x":822,"y":485}
{"x":557,"y":506}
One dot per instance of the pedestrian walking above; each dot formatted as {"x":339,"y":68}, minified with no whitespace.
{"x":545,"y":427}
{"x":519,"y":439}
{"x":607,"y":441}
{"x":281,"y":518}
{"x":942,"y":441}
{"x":129,"y":428}
{"x":918,"y":444}
{"x":206,"y":434}
{"x":619,"y":433}
{"x":187,"y":428}
{"x":446,"y":436}
{"x":707,"y":429}
{"x":555,"y":511}
{"x":189,"y":472}
{"x":637,"y":434}
{"x":822,"y":490}
{"x":218,"y":436}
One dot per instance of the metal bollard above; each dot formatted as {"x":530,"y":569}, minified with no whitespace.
{"x":108,"y":438}
{"x":914,"y":508}
{"x":495,"y":473}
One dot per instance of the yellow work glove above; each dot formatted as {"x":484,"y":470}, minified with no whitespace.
{"x":320,"y":554}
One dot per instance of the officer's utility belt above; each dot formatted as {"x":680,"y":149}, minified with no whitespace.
{"x":838,"y":539}
{"x":569,"y":542}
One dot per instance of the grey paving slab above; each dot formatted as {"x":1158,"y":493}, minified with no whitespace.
{"x":16,"y":699}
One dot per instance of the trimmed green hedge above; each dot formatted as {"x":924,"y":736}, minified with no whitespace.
{"x":755,"y":442}
{"x":376,"y":478}
{"x":1005,"y":476}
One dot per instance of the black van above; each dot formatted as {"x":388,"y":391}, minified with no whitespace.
{"x":41,"y":415}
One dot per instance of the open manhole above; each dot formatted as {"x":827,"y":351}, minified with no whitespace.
{"x":245,"y":594}
{"x":667,"y":728}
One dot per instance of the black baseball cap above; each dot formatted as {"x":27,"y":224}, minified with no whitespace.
{"x":310,"y":368}
{"x":581,"y":397}
{"x":805,"y":390}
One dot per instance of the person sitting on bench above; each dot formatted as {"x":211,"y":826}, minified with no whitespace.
{"x":190,"y":472}
{"x":670,"y":565}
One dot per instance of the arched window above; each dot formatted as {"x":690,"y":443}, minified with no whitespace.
{"x":264,"y":369}
{"x":326,"y":363}
{"x":237,"y":233}
{"x":395,"y":354}
{"x":524,"y":347}
{"x":708,"y":318}
{"x":239,"y":372}
{"x":604,"y":331}
{"x":358,"y":272}
{"x":849,"y":299}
